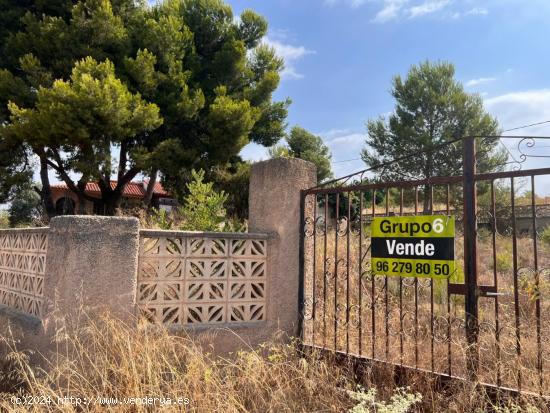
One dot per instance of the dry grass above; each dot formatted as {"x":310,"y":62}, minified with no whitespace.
{"x":108,"y":359}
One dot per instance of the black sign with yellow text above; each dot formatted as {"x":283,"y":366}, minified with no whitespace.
{"x":413,"y":246}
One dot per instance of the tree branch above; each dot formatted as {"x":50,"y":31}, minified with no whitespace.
{"x":127,"y":177}
{"x":66,"y":178}
{"x":150,"y":187}
{"x":122,"y":159}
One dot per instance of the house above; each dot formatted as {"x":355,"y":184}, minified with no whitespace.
{"x":66,"y":202}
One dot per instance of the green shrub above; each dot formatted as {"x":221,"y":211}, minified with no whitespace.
{"x":4,"y":220}
{"x":545,"y":236}
{"x":160,"y":219}
{"x":203,"y":208}
{"x":235,"y":224}
{"x":504,"y":261}
{"x":25,"y":209}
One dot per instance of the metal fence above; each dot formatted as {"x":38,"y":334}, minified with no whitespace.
{"x":489,"y":321}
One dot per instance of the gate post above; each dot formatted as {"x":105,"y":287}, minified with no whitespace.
{"x":275,"y":207}
{"x":470,"y":254}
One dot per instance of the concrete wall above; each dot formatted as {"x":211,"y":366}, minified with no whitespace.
{"x":22,"y":267}
{"x":274,"y":206}
{"x":92,"y":266}
{"x":201,"y":279}
{"x":274,"y":209}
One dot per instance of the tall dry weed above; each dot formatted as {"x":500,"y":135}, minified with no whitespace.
{"x":103,"y":360}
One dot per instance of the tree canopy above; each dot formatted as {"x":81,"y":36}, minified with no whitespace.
{"x":431,"y":109}
{"x":305,"y":145}
{"x":79,"y":120}
{"x":25,"y":208}
{"x":172,"y":87}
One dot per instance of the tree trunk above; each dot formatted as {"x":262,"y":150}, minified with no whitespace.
{"x":150,"y":188}
{"x":112,"y":198}
{"x":112,"y":203}
{"x":46,"y":192}
{"x":79,"y":189}
{"x":108,"y":197}
{"x":427,"y":210}
{"x":81,"y":185}
{"x":427,"y":188}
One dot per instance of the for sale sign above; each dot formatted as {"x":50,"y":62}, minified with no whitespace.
{"x":413,"y":246}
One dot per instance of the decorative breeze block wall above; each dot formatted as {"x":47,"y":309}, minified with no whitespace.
{"x":202,"y":278}
{"x":22,"y":267}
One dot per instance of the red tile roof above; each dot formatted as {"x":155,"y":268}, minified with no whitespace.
{"x":132,"y":189}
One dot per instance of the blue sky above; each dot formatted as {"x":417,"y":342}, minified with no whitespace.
{"x":341,"y":56}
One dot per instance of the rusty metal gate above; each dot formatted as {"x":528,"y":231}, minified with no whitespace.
{"x":489,"y":322}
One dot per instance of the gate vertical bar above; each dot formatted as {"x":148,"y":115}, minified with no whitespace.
{"x":360,"y":290}
{"x":301,"y":269}
{"x":517,"y":311}
{"x":495,"y":280}
{"x":537,"y":282}
{"x":314,"y":273}
{"x":325,"y":274}
{"x":416,"y":292}
{"x":449,"y":330}
{"x":470,"y":255}
{"x":336,"y":263}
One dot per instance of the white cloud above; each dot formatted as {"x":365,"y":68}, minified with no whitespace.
{"x":477,"y":11}
{"x":287,"y":51}
{"x":522,"y":108}
{"x":428,"y":7}
{"x":280,"y":34}
{"x":399,"y":9}
{"x":290,"y":54}
{"x":332,"y":133}
{"x":254,"y":152}
{"x":390,"y":11}
{"x":479,"y":81}
{"x":345,"y":145}
{"x":348,"y":139}
{"x":352,"y":3}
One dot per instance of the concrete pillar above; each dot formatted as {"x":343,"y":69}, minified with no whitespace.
{"x":91,"y":264}
{"x":274,"y":207}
